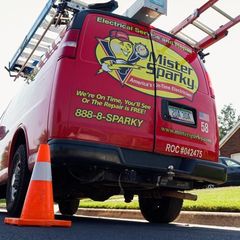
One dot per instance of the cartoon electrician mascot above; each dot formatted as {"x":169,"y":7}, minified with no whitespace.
{"x":122,"y":55}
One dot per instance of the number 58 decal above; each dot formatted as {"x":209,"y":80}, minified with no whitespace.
{"x":204,"y":127}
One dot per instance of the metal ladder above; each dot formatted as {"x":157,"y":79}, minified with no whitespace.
{"x":45,"y":35}
{"x":212,"y":35}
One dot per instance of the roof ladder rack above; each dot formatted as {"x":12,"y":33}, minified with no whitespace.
{"x":46,"y":33}
{"x":212,"y":35}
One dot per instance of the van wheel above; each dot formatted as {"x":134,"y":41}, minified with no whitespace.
{"x":18,"y":182}
{"x":68,"y":207}
{"x":210,"y":186}
{"x":162,"y":210}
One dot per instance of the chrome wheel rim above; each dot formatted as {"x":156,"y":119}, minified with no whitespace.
{"x":15,"y":179}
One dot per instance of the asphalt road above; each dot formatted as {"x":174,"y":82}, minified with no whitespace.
{"x":108,"y":229}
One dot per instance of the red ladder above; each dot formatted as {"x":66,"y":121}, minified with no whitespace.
{"x":212,"y":35}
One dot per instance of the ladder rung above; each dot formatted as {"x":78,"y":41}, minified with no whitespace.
{"x":56,"y":29}
{"x":29,"y":48}
{"x":42,"y":44}
{"x":48,"y":40}
{"x":204,"y":28}
{"x":29,"y":64}
{"x":25,"y":55}
{"x":187,"y":38}
{"x":44,"y":24}
{"x":222,"y":12}
{"x":40,"y":48}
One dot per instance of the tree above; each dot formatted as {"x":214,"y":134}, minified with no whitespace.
{"x":227,"y":119}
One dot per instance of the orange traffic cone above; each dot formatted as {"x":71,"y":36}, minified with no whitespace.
{"x":38,"y":204}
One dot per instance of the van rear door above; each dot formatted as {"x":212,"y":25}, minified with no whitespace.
{"x":185,"y":110}
{"x":112,"y":98}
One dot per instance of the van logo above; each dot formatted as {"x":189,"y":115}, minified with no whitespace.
{"x":129,"y":60}
{"x":121,"y":55}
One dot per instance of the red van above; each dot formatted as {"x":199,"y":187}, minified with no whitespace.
{"x":126,"y":109}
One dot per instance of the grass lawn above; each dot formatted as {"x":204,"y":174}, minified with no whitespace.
{"x":225,"y":199}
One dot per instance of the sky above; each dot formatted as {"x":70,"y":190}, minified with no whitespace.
{"x":17,"y":17}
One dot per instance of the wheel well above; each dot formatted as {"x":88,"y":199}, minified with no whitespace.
{"x":18,"y":139}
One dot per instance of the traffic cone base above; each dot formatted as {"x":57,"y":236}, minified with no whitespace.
{"x":38,"y":205}
{"x":34,"y":222}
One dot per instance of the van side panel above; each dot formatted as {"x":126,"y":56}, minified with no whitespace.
{"x":104,"y":100}
{"x":185,"y":112}
{"x":28,"y":111}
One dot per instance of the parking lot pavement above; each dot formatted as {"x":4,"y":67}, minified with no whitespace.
{"x":191,"y":217}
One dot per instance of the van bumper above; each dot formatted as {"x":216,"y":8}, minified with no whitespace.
{"x":135,"y":166}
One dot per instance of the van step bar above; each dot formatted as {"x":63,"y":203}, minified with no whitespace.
{"x":46,"y":33}
{"x":213,"y":36}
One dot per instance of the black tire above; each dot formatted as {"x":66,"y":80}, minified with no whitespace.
{"x":162,"y":210}
{"x":18,"y":181}
{"x":210,"y":186}
{"x":68,"y":207}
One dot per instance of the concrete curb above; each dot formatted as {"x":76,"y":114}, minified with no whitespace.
{"x":202,"y":218}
